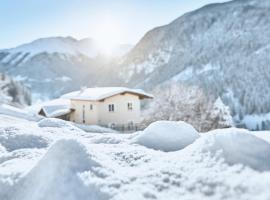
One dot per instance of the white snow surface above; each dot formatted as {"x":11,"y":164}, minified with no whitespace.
{"x":262,"y":134}
{"x":59,"y":162}
{"x":99,"y":93}
{"x":238,"y":146}
{"x":17,"y":112}
{"x":167,"y":136}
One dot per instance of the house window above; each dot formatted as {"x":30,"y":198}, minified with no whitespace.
{"x":83,"y":114}
{"x":129,"y":106}
{"x":91,"y":107}
{"x":111,"y":107}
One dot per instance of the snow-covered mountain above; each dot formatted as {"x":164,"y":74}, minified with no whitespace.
{"x":52,"y":66}
{"x":61,"y":45}
{"x":223,"y":48}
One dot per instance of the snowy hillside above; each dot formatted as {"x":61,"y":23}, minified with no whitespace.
{"x":52,"y":66}
{"x":223,"y":48}
{"x":52,"y":159}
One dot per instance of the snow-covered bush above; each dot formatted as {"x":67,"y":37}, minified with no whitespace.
{"x":177,"y":102}
{"x":167,"y":136}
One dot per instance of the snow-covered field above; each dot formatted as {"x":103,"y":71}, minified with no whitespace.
{"x":55,"y":160}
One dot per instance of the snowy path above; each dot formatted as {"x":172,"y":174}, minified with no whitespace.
{"x":41,"y":161}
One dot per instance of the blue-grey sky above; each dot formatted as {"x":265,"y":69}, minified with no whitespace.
{"x":124,"y":21}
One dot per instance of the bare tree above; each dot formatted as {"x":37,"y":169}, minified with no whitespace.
{"x":191,"y":104}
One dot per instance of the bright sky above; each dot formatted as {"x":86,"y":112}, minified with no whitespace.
{"x":109,"y":21}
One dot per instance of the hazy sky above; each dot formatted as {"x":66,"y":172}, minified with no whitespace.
{"x":124,"y":21}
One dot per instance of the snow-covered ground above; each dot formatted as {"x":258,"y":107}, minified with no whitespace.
{"x":55,"y":160}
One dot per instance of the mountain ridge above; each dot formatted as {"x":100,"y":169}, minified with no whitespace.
{"x":55,"y":65}
{"x":221,"y":48}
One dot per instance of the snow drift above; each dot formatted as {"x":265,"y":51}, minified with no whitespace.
{"x":40,"y":163}
{"x":56,"y":123}
{"x":236,"y":147}
{"x":59,"y":123}
{"x":56,"y":176}
{"x":13,"y":141}
{"x":17,"y":112}
{"x":167,"y":136}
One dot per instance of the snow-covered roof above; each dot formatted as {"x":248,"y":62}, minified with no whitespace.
{"x":53,"y":111}
{"x":56,"y":107}
{"x":100,"y":93}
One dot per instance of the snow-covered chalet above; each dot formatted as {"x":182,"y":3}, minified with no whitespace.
{"x":105,"y":106}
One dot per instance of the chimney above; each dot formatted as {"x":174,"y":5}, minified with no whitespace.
{"x":83,"y":88}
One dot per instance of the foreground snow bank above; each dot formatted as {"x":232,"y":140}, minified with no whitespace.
{"x":57,"y":174}
{"x":167,"y":136}
{"x":11,"y":140}
{"x":236,"y":147}
{"x":40,"y":163}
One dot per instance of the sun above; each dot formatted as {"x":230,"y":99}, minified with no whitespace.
{"x":107,"y":34}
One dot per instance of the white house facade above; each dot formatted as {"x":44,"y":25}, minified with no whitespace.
{"x":105,"y":106}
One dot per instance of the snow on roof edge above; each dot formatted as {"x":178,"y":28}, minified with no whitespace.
{"x":100,"y":93}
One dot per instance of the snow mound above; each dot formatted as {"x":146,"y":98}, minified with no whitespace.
{"x":13,"y":141}
{"x":56,"y":123}
{"x":265,"y":135}
{"x":57,"y":175}
{"x":167,"y":136}
{"x":18,"y":113}
{"x":236,"y":147}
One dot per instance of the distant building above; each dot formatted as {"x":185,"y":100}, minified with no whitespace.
{"x":105,"y":106}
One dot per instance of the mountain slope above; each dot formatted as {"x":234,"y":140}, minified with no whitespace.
{"x":52,"y":66}
{"x":223,"y":48}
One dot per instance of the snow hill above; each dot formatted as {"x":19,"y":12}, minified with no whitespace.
{"x":223,"y":48}
{"x":52,"y":66}
{"x":52,"y":159}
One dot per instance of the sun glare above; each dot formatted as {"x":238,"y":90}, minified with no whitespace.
{"x":108,"y":35}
